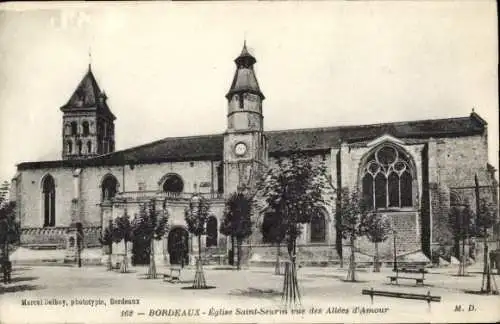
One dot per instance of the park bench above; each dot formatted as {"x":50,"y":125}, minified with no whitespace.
{"x":427,"y":297}
{"x":174,"y":275}
{"x":418,"y":280}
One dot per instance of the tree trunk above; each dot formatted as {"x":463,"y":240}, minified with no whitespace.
{"x":461,"y":266}
{"x":277,"y":268}
{"x":291,"y":292}
{"x":233,"y":247}
{"x":6,"y":250}
{"x":456,"y":247}
{"x":152,"y":263}
{"x":238,"y":260}
{"x":351,"y":273}
{"x":289,"y":247}
{"x":110,"y":265}
{"x":486,"y":286}
{"x":125,"y":261}
{"x":199,"y":247}
{"x":376,"y":266}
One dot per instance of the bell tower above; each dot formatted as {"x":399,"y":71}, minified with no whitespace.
{"x":88,"y":123}
{"x":245,"y":146}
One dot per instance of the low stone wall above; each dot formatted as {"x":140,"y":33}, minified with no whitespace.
{"x":55,"y":237}
{"x":27,"y":256}
{"x":44,"y":237}
{"x":317,"y":254}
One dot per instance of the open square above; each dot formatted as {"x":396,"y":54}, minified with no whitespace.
{"x":324,"y":292}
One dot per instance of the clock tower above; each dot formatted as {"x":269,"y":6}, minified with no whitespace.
{"x":245,"y":146}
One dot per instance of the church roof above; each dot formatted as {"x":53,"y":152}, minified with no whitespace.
{"x":210,"y":147}
{"x":332,"y":137}
{"x":88,"y":96}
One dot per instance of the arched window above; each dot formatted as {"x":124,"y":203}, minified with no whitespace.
{"x":406,"y":189}
{"x":173,"y":183}
{"x":85,"y":126}
{"x":211,"y":231}
{"x":49,"y":201}
{"x":89,"y":147}
{"x":387,"y":180}
{"x":109,"y":187}
{"x":79,"y":147}
{"x":74,"y":128}
{"x":318,"y":228}
{"x":67,"y":129}
{"x":69,"y":147}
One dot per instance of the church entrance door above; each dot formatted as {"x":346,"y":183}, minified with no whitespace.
{"x":178,"y":247}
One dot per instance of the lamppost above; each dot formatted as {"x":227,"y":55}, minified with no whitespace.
{"x":395,"y":268}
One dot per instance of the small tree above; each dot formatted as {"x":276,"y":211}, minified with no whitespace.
{"x":106,"y":240}
{"x":460,"y":223}
{"x":376,"y":227}
{"x":196,"y":216}
{"x":122,"y":231}
{"x":9,"y":227}
{"x":352,"y":210}
{"x":237,"y":218}
{"x":226,"y":229}
{"x":151,"y":224}
{"x":486,"y":219}
{"x":294,"y":189}
{"x":273,"y":231}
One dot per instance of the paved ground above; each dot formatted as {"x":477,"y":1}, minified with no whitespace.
{"x":320,"y":287}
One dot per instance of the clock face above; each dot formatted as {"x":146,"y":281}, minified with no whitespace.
{"x":240,"y":149}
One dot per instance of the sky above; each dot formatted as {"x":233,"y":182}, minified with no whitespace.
{"x":166,"y":67}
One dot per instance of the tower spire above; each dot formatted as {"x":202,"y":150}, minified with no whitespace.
{"x":90,"y":58}
{"x":244,"y":78}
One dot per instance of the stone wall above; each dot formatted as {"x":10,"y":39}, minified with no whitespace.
{"x":30,"y":200}
{"x":197,"y":176}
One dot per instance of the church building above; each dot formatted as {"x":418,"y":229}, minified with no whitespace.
{"x":412,"y":171}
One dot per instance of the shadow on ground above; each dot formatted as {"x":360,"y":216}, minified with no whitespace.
{"x":19,"y":279}
{"x":16,"y":269}
{"x":145,"y":276}
{"x":256,"y":293}
{"x":408,"y":285}
{"x":478,"y":292}
{"x":224,"y":268}
{"x":179,"y":282}
{"x":466,"y":275}
{"x":193,"y":288}
{"x":331,"y":276}
{"x":18,"y":288}
{"x":356,"y":281}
